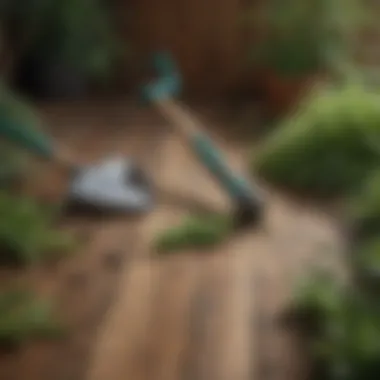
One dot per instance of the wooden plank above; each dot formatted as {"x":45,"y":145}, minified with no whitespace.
{"x":170,"y":319}
{"x":126,"y":325}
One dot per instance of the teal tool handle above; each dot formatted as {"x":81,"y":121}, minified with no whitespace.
{"x":165,"y":88}
{"x":27,"y":138}
{"x":169,"y":81}
{"x":208,"y":154}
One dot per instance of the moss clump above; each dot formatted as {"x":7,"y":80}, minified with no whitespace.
{"x":24,"y":316}
{"x":328,"y":147}
{"x":26,"y":232}
{"x":194,"y":232}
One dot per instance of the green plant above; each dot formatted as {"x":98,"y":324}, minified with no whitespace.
{"x":344,"y":341}
{"x":363,"y":208}
{"x":302,"y":38}
{"x":75,"y":32}
{"x":24,"y":316}
{"x":26,"y":232}
{"x":315,"y":299}
{"x":365,"y":264}
{"x":80,"y":32}
{"x":363,"y":214}
{"x":328,"y":147}
{"x":194,"y":232}
{"x":349,"y":347}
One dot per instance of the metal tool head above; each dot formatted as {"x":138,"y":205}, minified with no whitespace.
{"x":115,"y":185}
{"x":249,"y":212}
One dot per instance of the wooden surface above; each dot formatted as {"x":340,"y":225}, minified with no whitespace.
{"x":191,"y":315}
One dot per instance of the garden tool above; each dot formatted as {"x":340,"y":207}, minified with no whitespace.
{"x":115,"y":184}
{"x":161,"y":92}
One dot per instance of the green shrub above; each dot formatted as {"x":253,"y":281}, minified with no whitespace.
{"x":363,"y":213}
{"x":26,"y":232}
{"x":363,"y":208}
{"x":349,"y":347}
{"x":303,"y":38}
{"x":345,"y":343}
{"x":319,"y":292}
{"x":365,"y":264}
{"x":24,"y":316}
{"x":328,"y":147}
{"x":194,"y":232}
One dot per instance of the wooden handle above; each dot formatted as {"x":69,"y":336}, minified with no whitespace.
{"x":64,"y":159}
{"x":181,"y":119}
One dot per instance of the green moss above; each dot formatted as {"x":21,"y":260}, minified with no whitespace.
{"x":24,"y":316}
{"x":26,"y":232}
{"x":328,"y":147}
{"x":194,"y":232}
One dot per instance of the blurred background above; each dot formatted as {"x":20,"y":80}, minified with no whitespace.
{"x":290,"y":92}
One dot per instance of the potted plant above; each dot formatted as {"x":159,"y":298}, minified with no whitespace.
{"x":300,"y":42}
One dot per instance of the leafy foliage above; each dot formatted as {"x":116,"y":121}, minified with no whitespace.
{"x":26,"y":232}
{"x":345,"y":344}
{"x":332,"y":146}
{"x":365,"y":263}
{"x":329,"y":146}
{"x":27,"y":235}
{"x":306,"y":37}
{"x":78,"y":32}
{"x":194,"y":232}
{"x":363,"y":208}
{"x":24,"y":316}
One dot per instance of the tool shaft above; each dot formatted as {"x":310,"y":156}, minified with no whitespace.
{"x":187,"y":125}
{"x":28,"y":138}
{"x":37,"y":143}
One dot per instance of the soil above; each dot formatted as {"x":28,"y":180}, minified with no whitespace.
{"x":132,"y":314}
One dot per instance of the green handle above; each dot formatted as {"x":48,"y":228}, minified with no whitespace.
{"x":235,"y":186}
{"x":25,"y":137}
{"x":163,"y":88}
